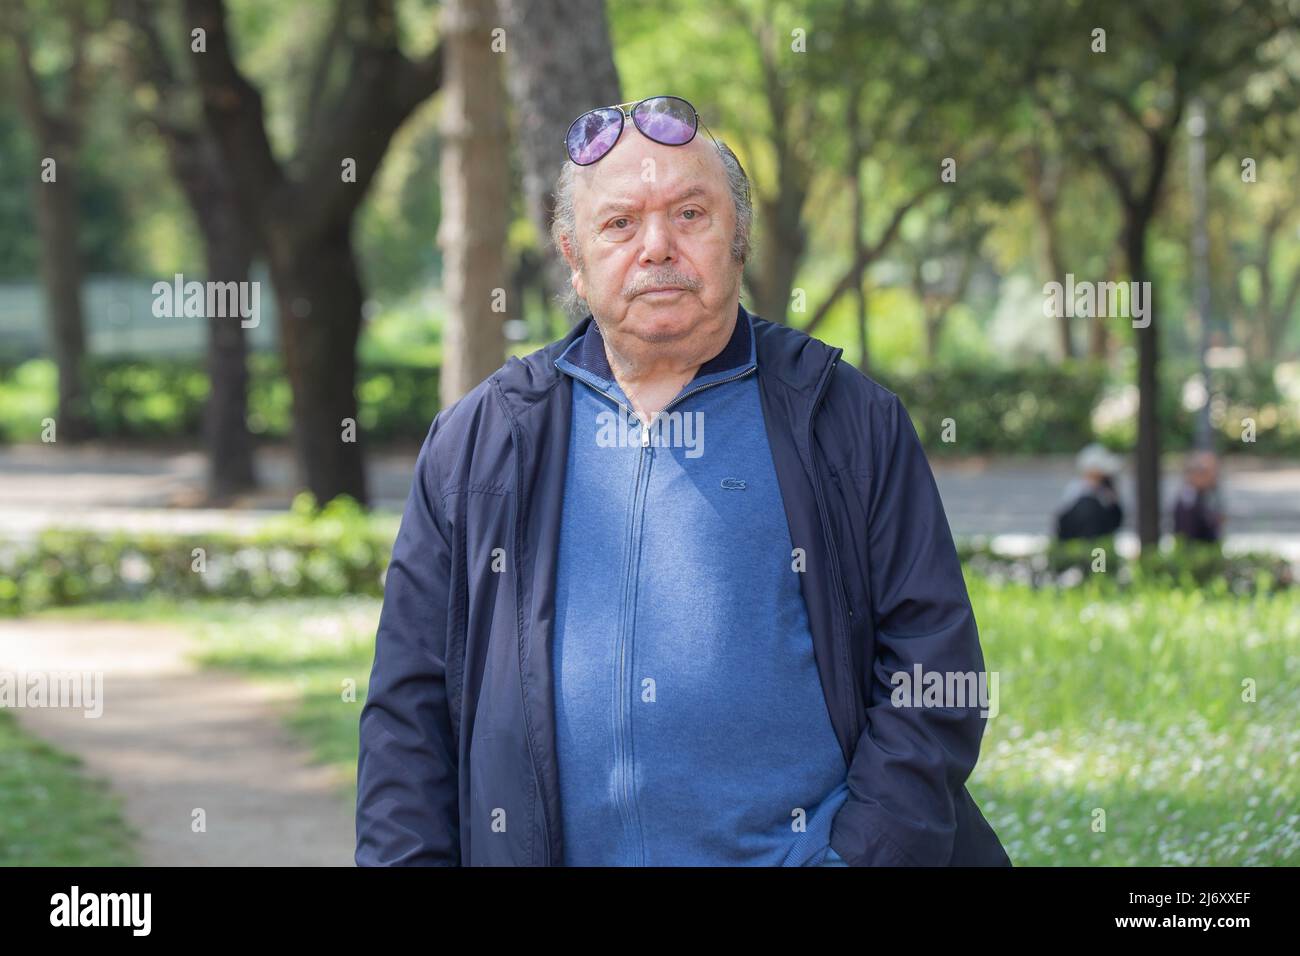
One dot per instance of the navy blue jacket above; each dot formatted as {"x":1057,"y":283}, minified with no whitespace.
{"x":461,"y":701}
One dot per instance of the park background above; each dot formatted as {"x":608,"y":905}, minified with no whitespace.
{"x":1107,"y":141}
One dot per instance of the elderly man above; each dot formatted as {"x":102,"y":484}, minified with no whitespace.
{"x":1091,"y":506}
{"x":1198,"y":510}
{"x":610,"y":641}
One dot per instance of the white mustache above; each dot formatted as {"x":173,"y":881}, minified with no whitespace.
{"x":673,"y":281}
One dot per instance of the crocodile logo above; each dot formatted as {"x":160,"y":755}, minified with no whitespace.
{"x":734,"y":484}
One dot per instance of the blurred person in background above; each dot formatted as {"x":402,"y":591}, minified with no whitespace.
{"x":1091,"y":507}
{"x":1198,"y":513}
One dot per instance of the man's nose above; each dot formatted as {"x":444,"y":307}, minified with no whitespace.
{"x":657,"y":245}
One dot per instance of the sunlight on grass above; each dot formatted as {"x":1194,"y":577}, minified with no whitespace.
{"x":1129,"y":703}
{"x":1134,"y":706}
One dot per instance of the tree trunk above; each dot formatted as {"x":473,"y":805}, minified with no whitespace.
{"x":561,"y":63}
{"x":1051,"y":252}
{"x":57,"y":133}
{"x":225,"y":420}
{"x":933,"y":329}
{"x":319,"y":298}
{"x":859,"y":246}
{"x":1098,"y":339}
{"x":1043,"y":191}
{"x":58,"y":225}
{"x":228,"y":243}
{"x":229,"y":239}
{"x":857,"y":153}
{"x":474,"y":179}
{"x":1099,"y":336}
{"x":779,"y":255}
{"x":1148,"y":436}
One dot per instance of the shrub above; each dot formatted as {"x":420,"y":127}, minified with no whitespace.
{"x":337,"y":550}
{"x":1186,"y":565}
{"x":162,"y":399}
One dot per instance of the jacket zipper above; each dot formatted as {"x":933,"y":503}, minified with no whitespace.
{"x":846,"y":610}
{"x":528,"y":730}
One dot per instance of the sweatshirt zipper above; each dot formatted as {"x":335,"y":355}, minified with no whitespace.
{"x":623,"y":766}
{"x":626,"y":811}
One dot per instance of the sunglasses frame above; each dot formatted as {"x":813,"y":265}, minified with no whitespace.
{"x":623,"y":115}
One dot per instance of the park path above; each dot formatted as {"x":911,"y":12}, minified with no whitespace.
{"x":174,"y":737}
{"x":1013,"y":497}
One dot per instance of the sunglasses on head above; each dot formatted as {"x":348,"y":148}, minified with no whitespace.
{"x":669,"y":120}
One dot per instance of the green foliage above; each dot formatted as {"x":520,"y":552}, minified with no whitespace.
{"x":1030,"y":409}
{"x":28,"y":394}
{"x":1036,"y":408}
{"x":1239,"y":393}
{"x":404,"y":333}
{"x":1187,"y":565}
{"x":162,"y":399}
{"x":54,"y":814}
{"x":19,"y":250}
{"x":337,"y":550}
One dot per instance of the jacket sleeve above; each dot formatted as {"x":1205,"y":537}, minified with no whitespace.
{"x":910,"y":763}
{"x":407,"y":790}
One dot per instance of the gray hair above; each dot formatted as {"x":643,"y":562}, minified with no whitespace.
{"x":565,"y":223}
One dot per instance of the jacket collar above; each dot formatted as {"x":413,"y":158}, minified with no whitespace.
{"x":586,"y":358}
{"x":793,"y":357}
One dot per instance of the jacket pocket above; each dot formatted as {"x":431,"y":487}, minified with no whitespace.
{"x":851,"y":537}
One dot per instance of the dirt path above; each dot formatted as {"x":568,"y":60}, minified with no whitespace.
{"x":173,"y":738}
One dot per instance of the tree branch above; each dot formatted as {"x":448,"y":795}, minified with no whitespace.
{"x":234,"y":110}
{"x":867,"y":256}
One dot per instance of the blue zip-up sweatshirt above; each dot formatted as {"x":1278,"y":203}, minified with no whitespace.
{"x":458,"y":761}
{"x":691,"y":725}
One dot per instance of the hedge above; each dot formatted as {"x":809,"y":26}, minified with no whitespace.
{"x":335,"y":551}
{"x":1186,"y":565}
{"x":163,"y":399}
{"x":1033,"y":409}
{"x":342,"y":550}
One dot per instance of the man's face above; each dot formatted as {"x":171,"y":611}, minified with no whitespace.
{"x":1204,"y":471}
{"x":650,"y":216}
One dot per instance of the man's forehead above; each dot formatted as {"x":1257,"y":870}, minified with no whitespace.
{"x":678,"y":172}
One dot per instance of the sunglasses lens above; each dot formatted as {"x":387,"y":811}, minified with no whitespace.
{"x":666,"y":119}
{"x":593,"y":134}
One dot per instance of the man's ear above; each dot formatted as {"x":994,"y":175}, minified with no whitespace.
{"x":575,"y":268}
{"x":567,"y":251}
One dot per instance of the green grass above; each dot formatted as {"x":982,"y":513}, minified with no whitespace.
{"x":1127,"y":703}
{"x":1134,"y":706}
{"x":51,"y":812}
